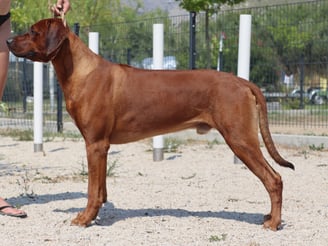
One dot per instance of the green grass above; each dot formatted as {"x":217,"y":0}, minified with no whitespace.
{"x":20,"y":135}
{"x":317,"y":148}
{"x":171,"y":145}
{"x":218,"y":238}
{"x":27,"y":135}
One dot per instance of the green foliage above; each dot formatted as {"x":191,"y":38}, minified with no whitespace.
{"x":210,"y":6}
{"x":218,"y":238}
{"x":134,"y":34}
{"x":87,"y":12}
{"x":284,"y":30}
{"x":111,"y":166}
{"x":317,"y":148}
{"x":280,"y":35}
{"x":26,"y":12}
{"x":172,"y":145}
{"x":93,"y":12}
{"x":20,"y":135}
{"x":291,"y":104}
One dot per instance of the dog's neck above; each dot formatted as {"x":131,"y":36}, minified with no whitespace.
{"x":66,"y":62}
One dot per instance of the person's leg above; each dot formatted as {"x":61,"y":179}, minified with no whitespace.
{"x":4,"y":54}
{"x":5,"y":207}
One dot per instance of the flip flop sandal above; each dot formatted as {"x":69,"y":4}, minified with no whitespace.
{"x":20,"y":215}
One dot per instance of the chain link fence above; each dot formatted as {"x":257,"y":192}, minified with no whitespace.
{"x":289,"y":60}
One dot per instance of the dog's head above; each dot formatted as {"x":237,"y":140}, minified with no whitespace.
{"x":42,"y":42}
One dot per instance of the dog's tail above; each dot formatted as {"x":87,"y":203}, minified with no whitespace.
{"x":264,"y":128}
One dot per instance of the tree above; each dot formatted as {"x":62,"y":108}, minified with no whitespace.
{"x":300,"y":31}
{"x":26,"y":12}
{"x":209,"y":7}
{"x":87,"y":12}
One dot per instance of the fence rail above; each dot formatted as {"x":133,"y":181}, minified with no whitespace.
{"x":289,"y":60}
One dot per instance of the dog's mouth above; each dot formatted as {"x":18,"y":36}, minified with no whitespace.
{"x":29,"y":54}
{"x":18,"y":51}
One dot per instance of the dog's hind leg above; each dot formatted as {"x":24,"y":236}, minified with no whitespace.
{"x":240,"y":131}
{"x":250,"y":154}
{"x":97,"y":193}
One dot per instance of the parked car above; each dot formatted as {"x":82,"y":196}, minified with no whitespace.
{"x":320,"y":96}
{"x":315,"y":95}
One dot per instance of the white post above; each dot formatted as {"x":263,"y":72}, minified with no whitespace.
{"x":158,"y":54}
{"x":38,"y":106}
{"x":244,"y":48}
{"x":52,"y":87}
{"x":94,"y":42}
{"x":244,"y":51}
{"x":220,"y":61}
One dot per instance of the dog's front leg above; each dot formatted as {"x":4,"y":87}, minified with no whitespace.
{"x":97,"y":193}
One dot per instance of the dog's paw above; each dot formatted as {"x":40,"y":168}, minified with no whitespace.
{"x":80,"y":220}
{"x":270,"y":223}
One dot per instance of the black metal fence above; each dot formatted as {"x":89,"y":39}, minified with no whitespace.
{"x":289,"y":59}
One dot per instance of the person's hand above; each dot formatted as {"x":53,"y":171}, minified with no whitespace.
{"x":62,"y":6}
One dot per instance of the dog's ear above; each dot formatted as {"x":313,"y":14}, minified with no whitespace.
{"x":56,"y":35}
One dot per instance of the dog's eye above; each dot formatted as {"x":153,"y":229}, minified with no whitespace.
{"x":33,"y":32}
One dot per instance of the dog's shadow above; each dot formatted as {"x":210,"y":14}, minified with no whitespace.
{"x":109,"y":214}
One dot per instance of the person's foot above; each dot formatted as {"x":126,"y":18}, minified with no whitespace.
{"x":7,"y":209}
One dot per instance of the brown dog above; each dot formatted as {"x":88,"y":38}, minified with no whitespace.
{"x":115,"y":104}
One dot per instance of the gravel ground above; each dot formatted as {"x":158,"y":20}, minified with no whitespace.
{"x":196,"y":196}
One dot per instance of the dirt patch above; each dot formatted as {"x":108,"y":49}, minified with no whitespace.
{"x":196,"y":196}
